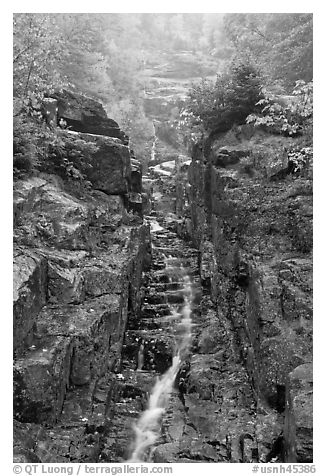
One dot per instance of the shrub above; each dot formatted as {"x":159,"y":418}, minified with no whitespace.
{"x":218,"y":106}
{"x":66,"y":154}
{"x":38,"y":147}
{"x":30,"y":138}
{"x":287,"y":116}
{"x":300,"y":160}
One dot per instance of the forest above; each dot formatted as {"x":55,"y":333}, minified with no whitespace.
{"x":105,"y":56}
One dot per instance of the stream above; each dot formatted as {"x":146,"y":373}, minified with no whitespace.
{"x":156,"y":346}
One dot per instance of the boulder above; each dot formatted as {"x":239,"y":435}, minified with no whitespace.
{"x":165,"y":453}
{"x":83,"y":114}
{"x":109,"y":168}
{"x":224,"y":157}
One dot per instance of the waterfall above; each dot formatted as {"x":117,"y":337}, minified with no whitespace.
{"x":147,"y":429}
{"x":153,"y":150}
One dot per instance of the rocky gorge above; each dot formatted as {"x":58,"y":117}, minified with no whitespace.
{"x":100,"y":274}
{"x":78,"y":261}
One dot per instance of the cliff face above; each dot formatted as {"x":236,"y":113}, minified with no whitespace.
{"x":79,"y":253}
{"x":86,"y":359}
{"x":253,"y":227}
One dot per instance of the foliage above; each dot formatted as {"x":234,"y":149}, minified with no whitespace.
{"x":92,"y":53}
{"x":129,"y":114}
{"x":67,"y":155}
{"x":217,"y":107}
{"x":301,"y":159}
{"x":38,"y":147}
{"x":30,"y":139}
{"x":281,"y":44}
{"x":103,"y":55}
{"x":85,"y":51}
{"x":292,"y":117}
{"x":36,"y":49}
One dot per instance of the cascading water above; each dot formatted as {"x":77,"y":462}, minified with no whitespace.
{"x":153,"y":151}
{"x":147,"y":429}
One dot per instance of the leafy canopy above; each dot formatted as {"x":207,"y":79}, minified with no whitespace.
{"x":290,"y":115}
{"x":217,"y":106}
{"x":281,"y":44}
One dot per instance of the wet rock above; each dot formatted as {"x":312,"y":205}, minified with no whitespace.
{"x":21,"y":455}
{"x":56,"y":218}
{"x":84,"y":114}
{"x":211,"y":340}
{"x":91,"y":326}
{"x":114,"y":210}
{"x":202,"y":417}
{"x":279,"y":356}
{"x":41,"y":380}
{"x":269,"y":428}
{"x":258,"y":261}
{"x":269,"y":294}
{"x":30,"y":293}
{"x":224,"y":158}
{"x":295,"y":277}
{"x":70,"y":347}
{"x":26,"y":194}
{"x":101,"y":278}
{"x":78,"y":270}
{"x":165,"y":453}
{"x":109,"y":168}
{"x":206,"y":262}
{"x":298,"y":426}
{"x":199,"y":450}
{"x":136,"y":176}
{"x":135,"y":203}
{"x":64,"y":285}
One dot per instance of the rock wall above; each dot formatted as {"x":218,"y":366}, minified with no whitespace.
{"x":79,"y":253}
{"x":254,"y":232}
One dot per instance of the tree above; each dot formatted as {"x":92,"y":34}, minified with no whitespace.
{"x":37,"y":46}
{"x":229,"y":101}
{"x":280,"y":44}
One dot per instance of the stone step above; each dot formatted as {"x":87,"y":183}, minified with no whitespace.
{"x":154,"y":310}
{"x":160,"y":287}
{"x":150,"y":341}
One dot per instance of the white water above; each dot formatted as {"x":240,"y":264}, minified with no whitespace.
{"x":147,"y":429}
{"x":153,"y":151}
{"x":155,"y":226}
